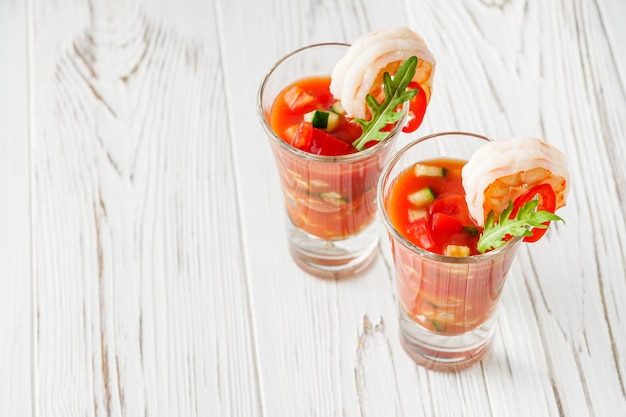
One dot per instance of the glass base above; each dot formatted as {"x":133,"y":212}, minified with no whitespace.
{"x":444,"y":353}
{"x":333,"y":258}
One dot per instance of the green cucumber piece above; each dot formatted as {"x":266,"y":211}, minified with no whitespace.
{"x":333,"y":197}
{"x":322,"y":119}
{"x":338,"y":108}
{"x":416,"y":214}
{"x":429,"y":171}
{"x":317,"y":118}
{"x":422,"y":197}
{"x":333,"y":121}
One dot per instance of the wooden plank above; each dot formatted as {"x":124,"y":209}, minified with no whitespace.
{"x":141,"y":285}
{"x":16,"y":309}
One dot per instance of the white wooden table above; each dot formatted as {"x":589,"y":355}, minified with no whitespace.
{"x":143,"y":259}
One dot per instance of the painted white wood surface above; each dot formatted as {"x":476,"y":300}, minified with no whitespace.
{"x":16,"y":301}
{"x":144,"y":263}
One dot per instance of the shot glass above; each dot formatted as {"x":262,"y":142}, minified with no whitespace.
{"x":330,"y":201}
{"x":447,"y":305}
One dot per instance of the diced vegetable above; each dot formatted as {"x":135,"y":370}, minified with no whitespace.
{"x":416,"y":214}
{"x":422,"y":197}
{"x":430,"y":211}
{"x":429,"y":171}
{"x":333,"y":197}
{"x":324,"y":144}
{"x":420,"y":231}
{"x":322,"y":119}
{"x":453,"y":205}
{"x":299,"y":136}
{"x":436,"y":325}
{"x":417,"y":109}
{"x":338,"y":108}
{"x":456,"y":250}
{"x":445,"y":223}
{"x":318,"y":183}
{"x":318,"y":118}
{"x":296,"y":98}
{"x":333,"y":121}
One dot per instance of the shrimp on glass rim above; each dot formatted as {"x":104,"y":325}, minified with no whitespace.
{"x":360,"y":71}
{"x":503,"y":170}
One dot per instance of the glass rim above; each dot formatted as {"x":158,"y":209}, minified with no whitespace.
{"x":472,"y":259}
{"x":357,"y":156}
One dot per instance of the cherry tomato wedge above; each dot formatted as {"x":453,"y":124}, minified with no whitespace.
{"x":302,"y":135}
{"x":444,"y":223}
{"x":454,"y":205}
{"x":421,"y":231}
{"x":298,"y":99}
{"x":450,"y":205}
{"x":324,"y":144}
{"x":547,"y":202}
{"x":417,"y":109}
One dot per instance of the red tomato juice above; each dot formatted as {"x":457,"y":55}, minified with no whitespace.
{"x":439,"y":220}
{"x":442,"y":295}
{"x":300,"y":98}
{"x":331,"y":198}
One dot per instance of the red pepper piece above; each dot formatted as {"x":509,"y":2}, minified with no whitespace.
{"x":444,"y":223}
{"x":454,"y":205}
{"x":298,"y":100}
{"x":302,"y":136}
{"x":417,"y":109}
{"x":324,"y":144}
{"x":547,"y":202}
{"x":420,"y":230}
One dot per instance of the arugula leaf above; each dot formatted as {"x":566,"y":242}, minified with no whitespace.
{"x":384,"y":113}
{"x":494,"y":233}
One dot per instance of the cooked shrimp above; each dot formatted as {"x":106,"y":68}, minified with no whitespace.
{"x":504,"y":169}
{"x":360,"y":71}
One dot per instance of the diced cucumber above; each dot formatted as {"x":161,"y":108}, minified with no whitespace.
{"x":333,"y":121}
{"x":318,"y":183}
{"x":436,"y":326}
{"x":429,"y":171}
{"x":338,"y":108}
{"x":456,"y":250}
{"x":422,"y":197}
{"x":322,"y":119}
{"x":416,"y":214}
{"x":308,"y":117}
{"x":333,"y":197}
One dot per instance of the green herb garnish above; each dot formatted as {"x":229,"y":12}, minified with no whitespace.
{"x":384,"y":113}
{"x":494,"y":233}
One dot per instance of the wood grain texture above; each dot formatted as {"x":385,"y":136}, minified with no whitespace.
{"x":141,"y":288}
{"x":145,"y":269}
{"x":16,"y":302}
